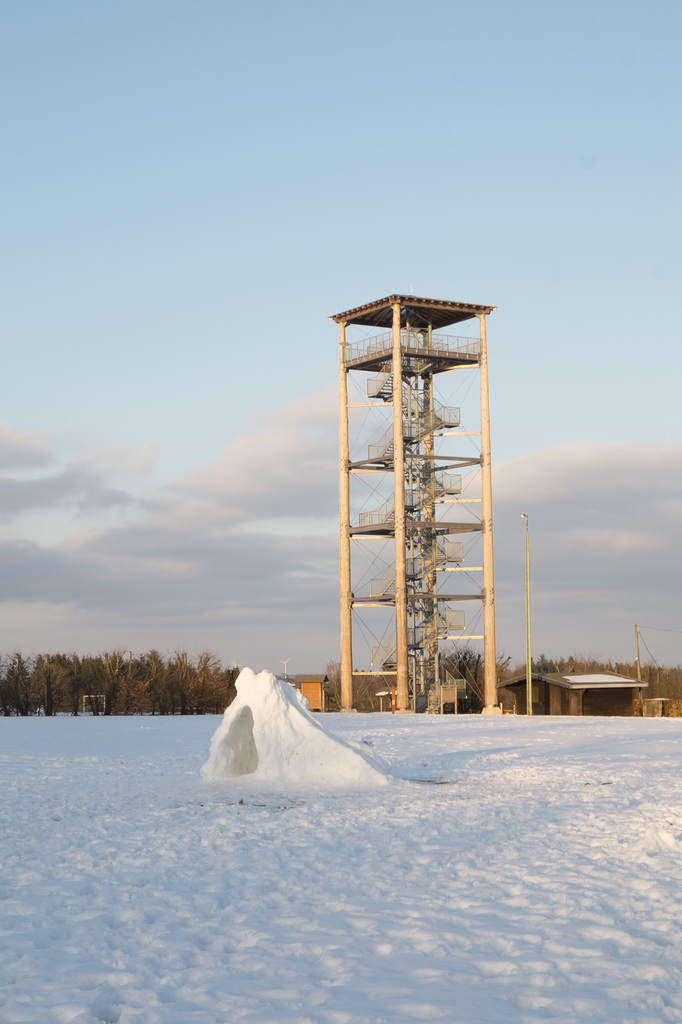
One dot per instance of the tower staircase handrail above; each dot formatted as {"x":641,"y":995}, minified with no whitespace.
{"x":439,"y":418}
{"x":383,"y":448}
{"x":384,"y":655}
{"x":445,"y":552}
{"x":448,"y":619}
{"x":382,"y":343}
{"x":439,"y":486}
{"x":380,"y":386}
{"x":382,"y":586}
{"x":454,"y":682}
{"x":385,"y":513}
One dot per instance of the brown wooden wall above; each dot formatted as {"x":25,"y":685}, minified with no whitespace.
{"x":609,"y":702}
{"x":314,"y":694}
{"x":549,"y":699}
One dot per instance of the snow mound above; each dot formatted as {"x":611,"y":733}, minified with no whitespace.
{"x":654,"y":840}
{"x":268,"y":733}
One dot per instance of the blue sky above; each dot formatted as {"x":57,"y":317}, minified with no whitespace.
{"x":190,"y":190}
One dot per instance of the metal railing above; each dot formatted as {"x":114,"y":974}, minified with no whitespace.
{"x":440,"y":344}
{"x":382,"y":447}
{"x":446,"y":551}
{"x":451,"y":618}
{"x":447,"y":483}
{"x":383,"y":656}
{"x":384,"y":514}
{"x":440,"y":416}
{"x":381,"y":386}
{"x":451,"y":551}
{"x":382,"y":586}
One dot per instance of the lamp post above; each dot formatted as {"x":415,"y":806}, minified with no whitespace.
{"x":529,"y":674}
{"x":639,"y":668}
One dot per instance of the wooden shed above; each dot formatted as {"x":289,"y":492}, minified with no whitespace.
{"x":313,"y":688}
{"x":573,"y":693}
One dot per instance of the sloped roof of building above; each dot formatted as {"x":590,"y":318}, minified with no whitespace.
{"x":437,"y":312}
{"x":579,"y":680}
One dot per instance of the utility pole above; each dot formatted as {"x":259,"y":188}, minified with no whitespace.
{"x":529,"y":673}
{"x":639,"y":668}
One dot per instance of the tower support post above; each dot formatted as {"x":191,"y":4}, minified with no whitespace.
{"x":344,"y":531}
{"x":403,"y":698}
{"x":489,"y":650}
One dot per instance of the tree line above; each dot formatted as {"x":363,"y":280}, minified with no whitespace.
{"x":119,"y":683}
{"x":115,"y":683}
{"x":663,"y":680}
{"x":467,"y":664}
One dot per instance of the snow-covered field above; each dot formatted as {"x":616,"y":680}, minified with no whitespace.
{"x":513,"y":870}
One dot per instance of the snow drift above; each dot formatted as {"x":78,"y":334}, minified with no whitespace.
{"x":268,"y":733}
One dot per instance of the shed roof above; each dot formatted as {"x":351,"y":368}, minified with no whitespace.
{"x":422,"y":312}
{"x":580,"y":681}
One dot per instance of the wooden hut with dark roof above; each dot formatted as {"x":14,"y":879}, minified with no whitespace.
{"x":314,"y":689}
{"x":574,"y":693}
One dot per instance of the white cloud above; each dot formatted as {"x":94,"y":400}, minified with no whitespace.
{"x":283,"y":466}
{"x":76,"y":485}
{"x":605,"y":547}
{"x":22,"y":450}
{"x":190,"y":566}
{"x":121,"y":458}
{"x":613,"y":539}
{"x":20,"y":616}
{"x":589,"y":475}
{"x":227,"y":557}
{"x":83,"y":484}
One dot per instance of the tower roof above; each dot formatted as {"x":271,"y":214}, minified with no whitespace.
{"x":422,"y":312}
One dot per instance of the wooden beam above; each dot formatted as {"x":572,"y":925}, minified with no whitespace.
{"x":403,"y":697}
{"x":344,"y":532}
{"x":489,"y":655}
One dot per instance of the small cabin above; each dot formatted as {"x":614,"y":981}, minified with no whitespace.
{"x":604,"y":694}
{"x":313,"y":688}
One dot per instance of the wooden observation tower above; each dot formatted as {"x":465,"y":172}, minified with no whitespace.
{"x":415,"y":495}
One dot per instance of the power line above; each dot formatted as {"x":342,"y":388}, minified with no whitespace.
{"x":649,"y":652}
